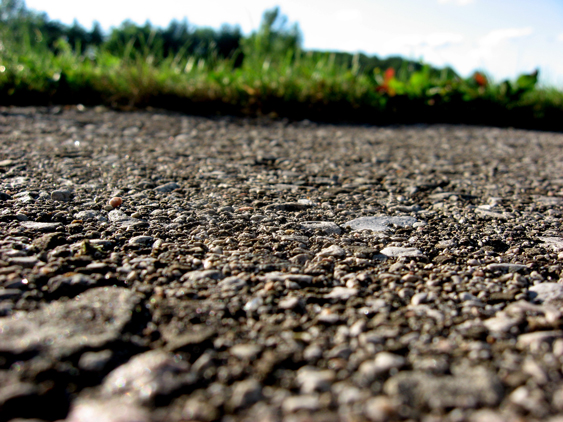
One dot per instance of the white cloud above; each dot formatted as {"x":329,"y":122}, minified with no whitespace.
{"x":457,"y":2}
{"x":498,"y":36}
{"x":560,"y":37}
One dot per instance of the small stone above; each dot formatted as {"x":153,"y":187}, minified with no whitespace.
{"x":42,"y":227}
{"x":313,"y":352}
{"x":289,"y":303}
{"x":467,"y":388}
{"x":253,"y":304}
{"x":167,"y":188}
{"x":24,"y":261}
{"x":547,"y":292}
{"x":385,"y":361}
{"x":95,"y":361}
{"x":379,"y":224}
{"x":492,"y":214}
{"x":501,"y":323}
{"x":145,"y":376}
{"x":302,"y":402}
{"x":141,"y":240}
{"x":342,"y":293}
{"x":393,"y":251}
{"x":8,"y":294}
{"x":87,"y":215}
{"x":328,"y":317}
{"x":115,"y":202}
{"x":113,"y":410}
{"x":48,"y":242}
{"x":231,"y":284}
{"x":70,"y":284}
{"x":245,"y":351}
{"x":357,"y":328}
{"x":419,"y":298}
{"x":333,"y":250}
{"x":311,"y":380}
{"x":536,"y":339}
{"x":62,"y":195}
{"x":324,"y":226}
{"x":199,"y":409}
{"x":195,"y":276}
{"x":556,"y":243}
{"x":380,"y":409}
{"x":245,"y":393}
{"x":511,"y":268}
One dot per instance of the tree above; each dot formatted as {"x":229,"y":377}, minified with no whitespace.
{"x":274,"y":38}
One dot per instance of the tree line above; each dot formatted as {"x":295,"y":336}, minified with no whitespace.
{"x":275,"y":39}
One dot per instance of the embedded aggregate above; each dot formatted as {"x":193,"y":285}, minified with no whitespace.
{"x":161,"y":267}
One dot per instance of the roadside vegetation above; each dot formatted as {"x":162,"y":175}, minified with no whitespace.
{"x":206,"y":71}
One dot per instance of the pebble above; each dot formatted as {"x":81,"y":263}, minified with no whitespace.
{"x":536,"y":339}
{"x":115,"y":202}
{"x":232,"y":284}
{"x":114,"y":410}
{"x":309,"y":402}
{"x":141,"y":240}
{"x":61,"y":195}
{"x":393,"y":251}
{"x":24,"y":261}
{"x":70,"y":284}
{"x":245,"y":393}
{"x":556,"y":243}
{"x":379,"y":224}
{"x":289,"y":303}
{"x":327,"y":227}
{"x":42,"y":227}
{"x":312,"y":380}
{"x":95,"y":361}
{"x":245,"y":351}
{"x":87,"y":215}
{"x":146,"y":376}
{"x":384,"y":362}
{"x":167,"y":187}
{"x":333,"y":250}
{"x":342,"y":293}
{"x":253,"y":304}
{"x":467,"y":388}
{"x":547,"y":292}
{"x":380,"y":409}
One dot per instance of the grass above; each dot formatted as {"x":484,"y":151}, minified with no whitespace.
{"x":292,"y":84}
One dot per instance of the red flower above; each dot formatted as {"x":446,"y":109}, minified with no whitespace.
{"x":388,"y":75}
{"x":480,"y":79}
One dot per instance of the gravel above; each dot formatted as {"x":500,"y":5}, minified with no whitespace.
{"x":160,"y":267}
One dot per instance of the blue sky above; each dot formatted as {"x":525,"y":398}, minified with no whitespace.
{"x":502,"y":37}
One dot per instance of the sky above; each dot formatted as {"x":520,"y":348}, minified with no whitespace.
{"x":504,"y":38}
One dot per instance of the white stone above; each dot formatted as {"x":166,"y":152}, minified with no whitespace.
{"x":394,"y":251}
{"x":326,"y":226}
{"x":546,"y":292}
{"x":380,"y":224}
